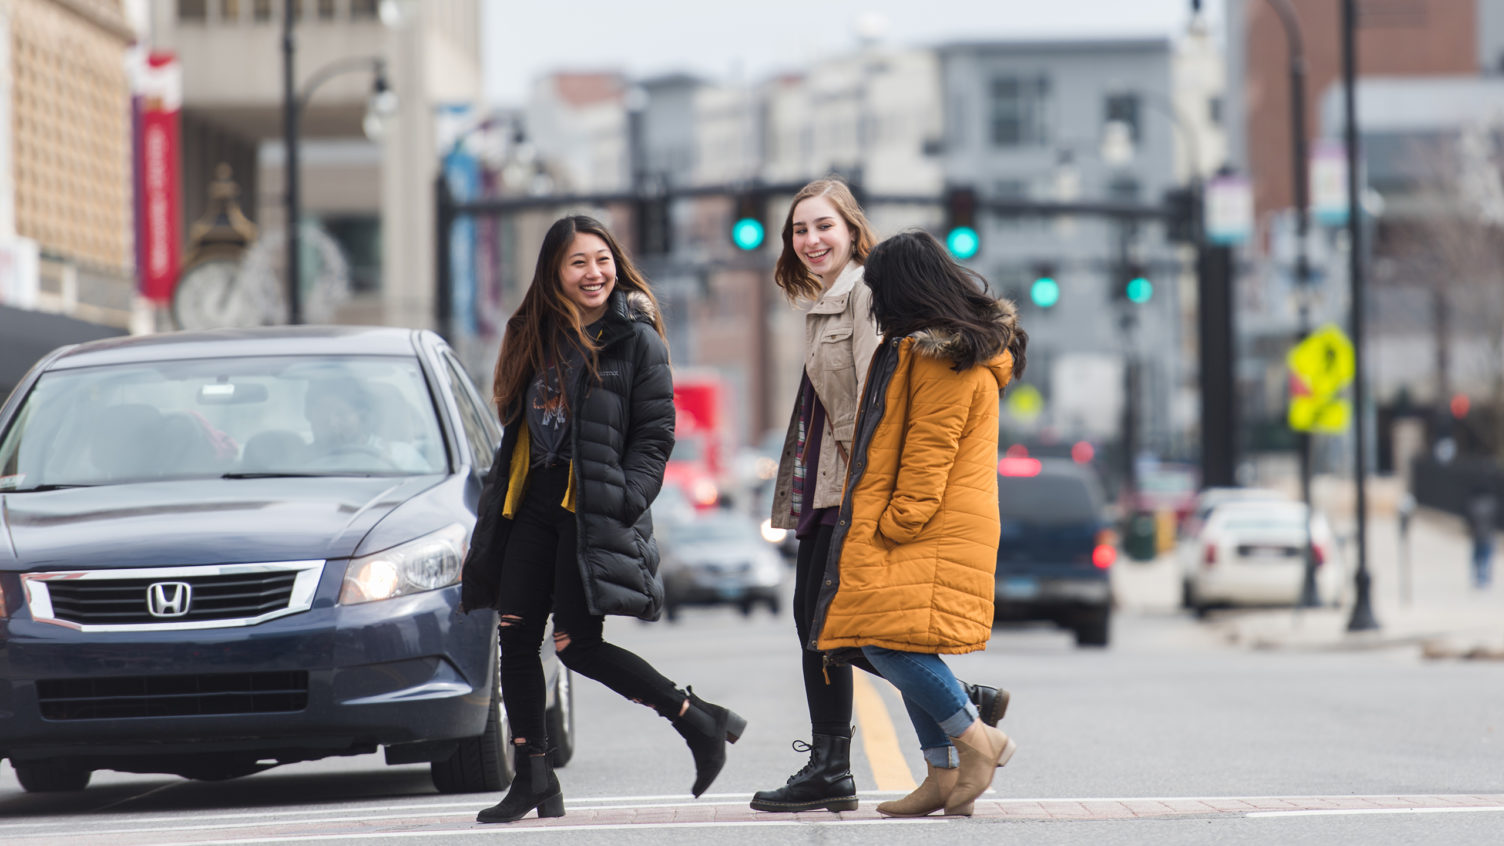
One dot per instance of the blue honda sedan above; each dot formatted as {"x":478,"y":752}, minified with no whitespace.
{"x":224,"y":551}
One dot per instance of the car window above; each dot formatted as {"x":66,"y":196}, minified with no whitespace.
{"x":715,"y":530}
{"x":1048,"y":498}
{"x":269,"y":415}
{"x":481,"y":431}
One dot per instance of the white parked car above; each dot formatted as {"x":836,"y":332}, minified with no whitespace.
{"x":1251,"y":553}
{"x":1188,"y":550}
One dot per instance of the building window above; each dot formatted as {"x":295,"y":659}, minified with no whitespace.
{"x":363,"y":9}
{"x":1123,"y":108}
{"x":326,"y":10}
{"x":1214,"y":110}
{"x":229,"y":11}
{"x":1123,"y":189}
{"x":359,"y":238}
{"x":261,"y":10}
{"x":193,"y":10}
{"x":1020,"y":111}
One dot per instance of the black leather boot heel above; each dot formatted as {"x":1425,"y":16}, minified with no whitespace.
{"x":825,"y":783}
{"x":534,"y":786}
{"x":707,"y":729}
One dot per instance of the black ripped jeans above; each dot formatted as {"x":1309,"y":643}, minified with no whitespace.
{"x":540,"y":574}
{"x":827,"y":688}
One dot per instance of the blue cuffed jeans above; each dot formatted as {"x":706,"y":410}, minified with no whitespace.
{"x":936,"y":702}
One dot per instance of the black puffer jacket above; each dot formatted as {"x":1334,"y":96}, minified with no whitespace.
{"x":621,"y":431}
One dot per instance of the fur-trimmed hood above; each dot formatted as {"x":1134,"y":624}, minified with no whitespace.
{"x":947,"y":344}
{"x":636,"y":305}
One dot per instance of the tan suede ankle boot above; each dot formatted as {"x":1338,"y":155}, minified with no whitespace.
{"x":982,"y":750}
{"x":928,"y":798}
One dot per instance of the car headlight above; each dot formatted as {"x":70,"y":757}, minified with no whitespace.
{"x":770,"y":534}
{"x":429,"y":562}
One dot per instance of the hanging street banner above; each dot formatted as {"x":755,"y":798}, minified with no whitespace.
{"x":158,"y":101}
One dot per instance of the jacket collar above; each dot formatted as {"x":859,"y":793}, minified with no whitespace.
{"x":624,"y":309}
{"x":833,"y":301}
{"x":948,"y":345}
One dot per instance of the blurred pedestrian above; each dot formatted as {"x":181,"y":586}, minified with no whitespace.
{"x":826,"y":238}
{"x":912,"y":559}
{"x":583,"y":388}
{"x":1482,"y":515}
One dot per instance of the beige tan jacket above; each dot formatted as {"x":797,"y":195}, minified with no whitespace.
{"x":839,"y":339}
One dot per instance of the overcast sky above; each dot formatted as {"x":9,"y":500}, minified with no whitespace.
{"x":721,"y":39}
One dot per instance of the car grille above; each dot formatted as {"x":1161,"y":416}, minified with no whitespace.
{"x":172,"y":696}
{"x":103,"y":602}
{"x":168,"y":598}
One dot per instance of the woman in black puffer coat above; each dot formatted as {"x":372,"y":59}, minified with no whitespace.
{"x":585,"y":393}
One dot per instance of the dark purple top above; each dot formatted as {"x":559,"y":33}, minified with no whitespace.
{"x":812,"y":416}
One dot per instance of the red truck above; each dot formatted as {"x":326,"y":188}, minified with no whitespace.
{"x":698,"y":459}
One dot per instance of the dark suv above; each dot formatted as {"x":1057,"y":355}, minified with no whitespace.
{"x":1056,"y":547}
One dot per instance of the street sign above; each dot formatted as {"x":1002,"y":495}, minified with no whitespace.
{"x":1324,"y":360}
{"x":1321,"y":366}
{"x":1025,"y":403}
{"x":1228,"y":209}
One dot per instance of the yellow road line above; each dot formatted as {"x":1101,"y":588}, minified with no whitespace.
{"x":878,"y":738}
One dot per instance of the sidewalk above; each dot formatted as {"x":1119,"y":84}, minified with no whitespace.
{"x":1420,"y":593}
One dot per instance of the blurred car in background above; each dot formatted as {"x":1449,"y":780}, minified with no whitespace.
{"x":223,"y":551}
{"x":782,"y":540}
{"x":718,"y":558}
{"x":690,"y":472}
{"x":1252,"y":553}
{"x":1056,"y":547}
{"x":1188,"y":546}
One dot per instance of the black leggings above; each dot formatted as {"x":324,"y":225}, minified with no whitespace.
{"x":827,"y":689}
{"x":540,"y":573}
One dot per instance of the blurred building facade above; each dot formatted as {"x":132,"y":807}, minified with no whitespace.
{"x":66,"y":221}
{"x":375,"y":197}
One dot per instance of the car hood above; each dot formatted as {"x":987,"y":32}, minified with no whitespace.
{"x":204,"y":521}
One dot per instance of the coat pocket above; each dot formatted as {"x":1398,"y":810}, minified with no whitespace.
{"x":834,"y":349}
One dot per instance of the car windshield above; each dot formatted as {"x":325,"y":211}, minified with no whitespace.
{"x":1283,"y":520}
{"x":1047,"y":498}
{"x":252,"y":416}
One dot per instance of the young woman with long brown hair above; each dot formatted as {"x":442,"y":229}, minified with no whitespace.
{"x":584,"y":391}
{"x":826,"y":239}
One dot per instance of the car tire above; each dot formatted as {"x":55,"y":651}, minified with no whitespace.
{"x":671,"y":612}
{"x":1186,"y":599}
{"x":560,"y":719}
{"x":774,"y":606}
{"x":482,"y":763}
{"x":746,"y":607}
{"x":1095,"y":632}
{"x":51,"y":776}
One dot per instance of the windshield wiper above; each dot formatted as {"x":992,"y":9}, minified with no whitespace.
{"x":272,"y":475}
{"x":57,"y":486}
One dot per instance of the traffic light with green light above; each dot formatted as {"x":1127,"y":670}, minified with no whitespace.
{"x":1044,"y":292}
{"x":962,"y":238}
{"x":747,"y":231}
{"x":1133,"y":284}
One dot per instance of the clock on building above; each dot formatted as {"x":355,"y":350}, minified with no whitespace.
{"x":212,"y":291}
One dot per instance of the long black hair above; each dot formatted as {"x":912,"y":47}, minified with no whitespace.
{"x":916,"y":285}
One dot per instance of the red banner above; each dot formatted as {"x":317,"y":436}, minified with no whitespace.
{"x":158,"y":214}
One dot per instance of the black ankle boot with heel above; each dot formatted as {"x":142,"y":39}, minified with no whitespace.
{"x":534,"y":786}
{"x":824,"y":783}
{"x":707,"y":729}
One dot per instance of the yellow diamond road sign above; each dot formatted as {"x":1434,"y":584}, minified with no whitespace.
{"x":1328,"y":415}
{"x":1324,"y":361}
{"x":1025,"y":403}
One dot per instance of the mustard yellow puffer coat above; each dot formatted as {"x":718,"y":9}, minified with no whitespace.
{"x":915,"y":548}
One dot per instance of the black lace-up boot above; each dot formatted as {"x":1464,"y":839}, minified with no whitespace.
{"x":825,"y":782}
{"x":991,"y":702}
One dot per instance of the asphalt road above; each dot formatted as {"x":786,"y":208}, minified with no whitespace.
{"x":1169,"y":736}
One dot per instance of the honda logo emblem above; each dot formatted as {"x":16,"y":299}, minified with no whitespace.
{"x":169,"y":599}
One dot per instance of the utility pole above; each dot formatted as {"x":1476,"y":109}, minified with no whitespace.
{"x":290,"y":177}
{"x":1363,"y":618}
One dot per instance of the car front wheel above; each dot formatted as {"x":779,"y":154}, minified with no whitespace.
{"x":1095,"y":631}
{"x":51,"y":776}
{"x":561,"y":719}
{"x":482,"y":763}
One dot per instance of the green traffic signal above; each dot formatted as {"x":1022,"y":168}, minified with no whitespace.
{"x":747,"y":233}
{"x":1139,"y":290}
{"x":963,"y":242}
{"x":1045,"y":291}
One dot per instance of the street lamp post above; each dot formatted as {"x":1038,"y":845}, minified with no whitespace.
{"x":1301,"y":200}
{"x":382,"y":104}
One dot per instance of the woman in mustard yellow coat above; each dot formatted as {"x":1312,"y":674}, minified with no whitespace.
{"x":910,"y":573}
